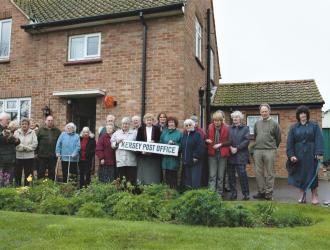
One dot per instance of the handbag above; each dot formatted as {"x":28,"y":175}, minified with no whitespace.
{"x":291,"y":166}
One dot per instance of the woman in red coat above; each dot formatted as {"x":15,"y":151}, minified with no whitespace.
{"x":218,"y":151}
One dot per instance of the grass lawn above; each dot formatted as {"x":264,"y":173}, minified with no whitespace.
{"x":37,"y":231}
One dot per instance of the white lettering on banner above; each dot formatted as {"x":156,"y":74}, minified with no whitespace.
{"x":149,"y":147}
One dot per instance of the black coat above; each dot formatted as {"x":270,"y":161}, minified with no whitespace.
{"x":239,"y":137}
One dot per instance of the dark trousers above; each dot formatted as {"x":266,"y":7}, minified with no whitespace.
{"x":6,"y":175}
{"x":192,"y":175}
{"x":27,"y":166}
{"x":170,"y":177}
{"x":243,"y":178}
{"x":73,"y":171}
{"x":85,"y":168}
{"x":46,"y":163}
{"x":130,"y":173}
{"x":106,"y":173}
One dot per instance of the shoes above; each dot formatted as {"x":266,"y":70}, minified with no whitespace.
{"x":302,"y":199}
{"x":246,"y":197}
{"x":269,"y":196}
{"x":233,"y":196}
{"x":226,"y":190}
{"x":259,"y":196}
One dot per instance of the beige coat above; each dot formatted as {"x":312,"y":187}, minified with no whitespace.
{"x":29,"y":143}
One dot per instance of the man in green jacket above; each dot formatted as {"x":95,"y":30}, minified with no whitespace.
{"x":47,"y":138}
{"x":267,"y":139}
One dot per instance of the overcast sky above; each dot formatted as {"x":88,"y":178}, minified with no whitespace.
{"x":271,"y":40}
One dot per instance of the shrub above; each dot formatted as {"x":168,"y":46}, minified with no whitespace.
{"x":236,"y":216}
{"x":291,"y":219}
{"x":41,"y":190}
{"x":199,"y":207}
{"x":112,"y":201}
{"x":132,"y":207}
{"x":55,"y":205}
{"x":21,"y":205}
{"x":264,"y":214}
{"x":67,"y":189}
{"x":8,"y":196}
{"x":97,"y":192}
{"x":91,"y":209}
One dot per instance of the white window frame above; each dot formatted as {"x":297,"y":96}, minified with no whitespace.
{"x":212,"y":65}
{"x":252,"y":119}
{"x":198,"y":39}
{"x":85,"y":56}
{"x":1,"y":22}
{"x":18,"y":106}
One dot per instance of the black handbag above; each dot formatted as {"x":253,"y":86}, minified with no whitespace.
{"x":291,"y":166}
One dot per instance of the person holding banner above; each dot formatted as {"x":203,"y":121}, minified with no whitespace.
{"x":148,"y":171}
{"x":67,"y":148}
{"x":170,"y":164}
{"x":305,"y":149}
{"x":192,"y":152}
{"x":125,"y":159}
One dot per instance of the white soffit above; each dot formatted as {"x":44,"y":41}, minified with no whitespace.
{"x":79,"y":93}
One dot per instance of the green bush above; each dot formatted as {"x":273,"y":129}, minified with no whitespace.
{"x":41,"y":190}
{"x":21,"y":205}
{"x":97,"y":192}
{"x":291,"y":219}
{"x":55,"y":205}
{"x":132,"y":207}
{"x":112,"y":201}
{"x":8,"y":196}
{"x":91,"y":209}
{"x":236,"y":216}
{"x":199,"y":207}
{"x":264,"y":214}
{"x":67,"y":189}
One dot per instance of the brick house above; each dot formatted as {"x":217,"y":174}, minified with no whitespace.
{"x":149,"y":56}
{"x":283,"y":97}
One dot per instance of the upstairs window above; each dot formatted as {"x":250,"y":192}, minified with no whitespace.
{"x":84,"y":47}
{"x":198,"y":40}
{"x":5,"y":34}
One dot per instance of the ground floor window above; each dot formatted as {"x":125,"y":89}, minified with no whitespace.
{"x":252,"y":119}
{"x":17,"y":108}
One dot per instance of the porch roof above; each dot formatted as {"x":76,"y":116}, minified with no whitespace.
{"x":79,"y":93}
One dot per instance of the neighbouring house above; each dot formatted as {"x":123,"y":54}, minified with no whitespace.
{"x":65,"y":57}
{"x":283,"y":97}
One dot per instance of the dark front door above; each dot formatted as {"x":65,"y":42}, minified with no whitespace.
{"x":82,"y":112}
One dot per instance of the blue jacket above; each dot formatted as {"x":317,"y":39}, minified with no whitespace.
{"x":239,"y":137}
{"x":192,"y":147}
{"x":68,"y":144}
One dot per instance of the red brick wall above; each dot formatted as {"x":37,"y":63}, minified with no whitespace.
{"x":287,"y":117}
{"x":36,"y":66}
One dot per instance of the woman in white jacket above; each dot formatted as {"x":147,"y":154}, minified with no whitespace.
{"x":25,"y":151}
{"x":125,"y":160}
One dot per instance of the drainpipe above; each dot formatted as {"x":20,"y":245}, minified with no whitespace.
{"x":208,"y":78}
{"x":144,"y":65}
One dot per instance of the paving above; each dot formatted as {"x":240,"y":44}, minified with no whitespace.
{"x":286,"y":193}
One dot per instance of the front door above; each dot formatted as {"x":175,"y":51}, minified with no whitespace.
{"x":82,"y":112}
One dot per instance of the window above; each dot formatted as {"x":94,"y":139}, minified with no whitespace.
{"x":85,"y":47}
{"x":252,"y":119}
{"x":212,"y":65}
{"x":198,"y":40}
{"x":17,"y":108}
{"x":5,"y":34}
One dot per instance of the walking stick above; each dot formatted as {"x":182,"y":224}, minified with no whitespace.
{"x":312,"y":180}
{"x":56,"y":168}
{"x":67,"y":178}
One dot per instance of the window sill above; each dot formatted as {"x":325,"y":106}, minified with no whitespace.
{"x":4,"y":61}
{"x":82,"y":62}
{"x":199,"y":63}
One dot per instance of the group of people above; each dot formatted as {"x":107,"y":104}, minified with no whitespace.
{"x":224,"y":148}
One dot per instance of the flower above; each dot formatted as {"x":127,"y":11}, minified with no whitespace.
{"x":29,"y":179}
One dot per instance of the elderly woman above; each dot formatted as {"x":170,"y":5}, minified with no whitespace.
{"x":239,"y":139}
{"x":136,"y":122}
{"x":106,"y":155}
{"x":125,"y":159}
{"x":192,"y":153}
{"x":87,"y":152}
{"x":170,"y":164}
{"x":218,"y":151}
{"x":67,"y":148}
{"x":148,"y":164}
{"x":25,"y":151}
{"x":304,"y":149}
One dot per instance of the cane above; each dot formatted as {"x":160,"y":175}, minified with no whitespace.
{"x":311,"y":182}
{"x":56,"y":168}
{"x":67,"y":178}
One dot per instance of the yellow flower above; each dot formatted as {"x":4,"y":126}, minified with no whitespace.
{"x":29,"y":179}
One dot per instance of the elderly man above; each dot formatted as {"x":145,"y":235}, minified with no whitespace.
{"x":136,"y":122}
{"x":111,"y":119}
{"x":47,"y":138}
{"x":7,"y":151}
{"x":267,"y":139}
